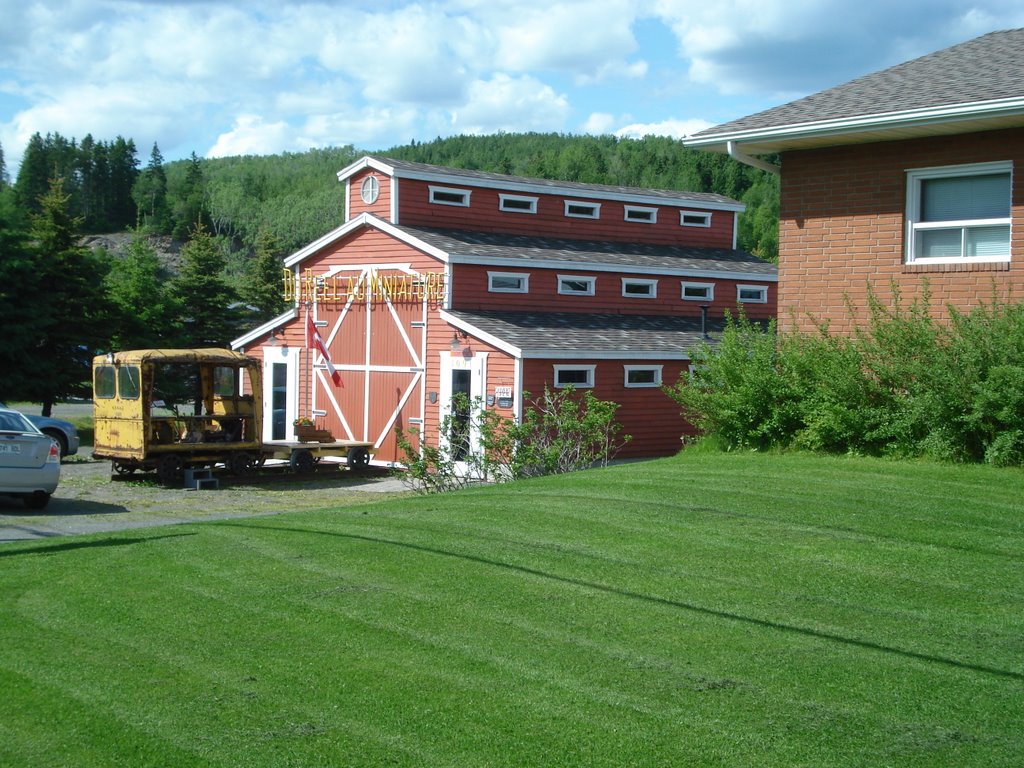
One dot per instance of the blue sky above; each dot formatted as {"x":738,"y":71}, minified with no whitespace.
{"x":267,"y":76}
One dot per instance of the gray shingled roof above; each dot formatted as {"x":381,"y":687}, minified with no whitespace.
{"x":486,"y":245}
{"x":599,"y":333}
{"x":506,"y":180}
{"x":987,"y":68}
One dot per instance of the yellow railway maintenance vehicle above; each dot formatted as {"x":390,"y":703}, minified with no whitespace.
{"x":172,"y":409}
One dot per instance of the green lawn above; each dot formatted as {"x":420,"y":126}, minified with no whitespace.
{"x":707,"y":610}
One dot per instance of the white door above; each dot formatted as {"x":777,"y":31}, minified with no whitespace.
{"x":280,"y":392}
{"x":467,"y":375}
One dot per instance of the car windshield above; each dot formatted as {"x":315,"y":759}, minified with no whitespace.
{"x":11,"y":421}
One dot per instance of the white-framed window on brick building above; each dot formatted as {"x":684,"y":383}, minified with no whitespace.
{"x":752,"y":294}
{"x":576,"y":285}
{"x":578,"y":376}
{"x":959,"y":213}
{"x":639,"y":376}
{"x":637,"y":288}
{"x":517,"y":203}
{"x":508,"y":282}
{"x":449,"y":196}
{"x":698,"y":291}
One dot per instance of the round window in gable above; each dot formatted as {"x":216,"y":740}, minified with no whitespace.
{"x":370,"y":190}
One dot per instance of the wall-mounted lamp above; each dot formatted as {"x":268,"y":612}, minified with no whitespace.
{"x":273,"y":338}
{"x":458,"y":337}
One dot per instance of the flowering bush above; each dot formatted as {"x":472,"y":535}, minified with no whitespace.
{"x":303,"y":421}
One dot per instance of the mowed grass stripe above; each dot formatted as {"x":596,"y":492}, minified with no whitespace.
{"x":609,"y":618}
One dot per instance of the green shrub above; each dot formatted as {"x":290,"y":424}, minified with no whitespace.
{"x":906,"y":385}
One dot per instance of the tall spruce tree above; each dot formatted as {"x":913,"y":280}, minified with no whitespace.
{"x":262,"y":288}
{"x":70,"y":311}
{"x":210,"y":312}
{"x":147,"y":312}
{"x":150,"y":194}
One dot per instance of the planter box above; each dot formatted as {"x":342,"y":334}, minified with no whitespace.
{"x":313,"y":435}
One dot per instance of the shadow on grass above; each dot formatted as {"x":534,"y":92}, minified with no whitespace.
{"x":69,"y":545}
{"x":652,"y":599}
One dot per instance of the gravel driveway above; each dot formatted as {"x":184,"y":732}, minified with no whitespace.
{"x":88,"y":500}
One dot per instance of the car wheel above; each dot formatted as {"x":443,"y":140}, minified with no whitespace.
{"x":62,"y":442}
{"x":37,"y":500}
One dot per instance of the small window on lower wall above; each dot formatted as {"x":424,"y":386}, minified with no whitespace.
{"x":508,"y":282}
{"x":694,"y":219}
{"x":576,"y":285}
{"x":699,"y":291}
{"x":641,"y":213}
{"x":752,"y":294}
{"x":637,"y":376}
{"x":639,"y":289}
{"x":578,"y":376}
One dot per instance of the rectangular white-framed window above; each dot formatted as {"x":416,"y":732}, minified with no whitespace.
{"x":698,"y":291}
{"x":517,"y":203}
{"x":575,"y":209}
{"x":576,"y":285}
{"x":641,"y":213}
{"x":635,"y":288}
{"x":578,"y":376}
{"x":639,"y":376}
{"x":752,"y":294}
{"x":959,"y":213}
{"x":508,"y":282}
{"x":449,"y":196}
{"x":695,"y":219}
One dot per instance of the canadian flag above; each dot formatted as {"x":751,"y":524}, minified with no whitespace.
{"x":315,"y":341}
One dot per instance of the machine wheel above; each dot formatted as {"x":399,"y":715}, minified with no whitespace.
{"x":124,"y":469}
{"x":170,"y":469}
{"x":302,"y":461}
{"x":358,"y":458}
{"x":241,"y":463}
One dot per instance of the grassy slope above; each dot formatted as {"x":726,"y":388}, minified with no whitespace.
{"x":706,"y":610}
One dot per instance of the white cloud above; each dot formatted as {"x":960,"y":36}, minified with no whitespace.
{"x":504,"y":103}
{"x":677,"y":129}
{"x":252,"y":136}
{"x":599,"y":124}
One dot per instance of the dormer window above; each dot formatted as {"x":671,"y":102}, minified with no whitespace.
{"x":695,"y":218}
{"x":636,"y":288}
{"x":508,"y":282}
{"x":517,"y":203}
{"x":449,"y":196}
{"x":641,"y":214}
{"x":575,"y":209}
{"x":752,"y":294}
{"x":576,"y":285}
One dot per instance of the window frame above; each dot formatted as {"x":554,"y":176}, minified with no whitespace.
{"x":914,"y":225}
{"x":588,"y":369}
{"x":709,"y":287}
{"x":640,"y":209}
{"x":524,"y":277}
{"x":595,"y":209}
{"x":704,"y":215}
{"x":761,"y":289}
{"x":651,"y":283}
{"x":628,"y":369}
{"x":505,"y":198}
{"x":590,"y":280}
{"x":436,"y":190}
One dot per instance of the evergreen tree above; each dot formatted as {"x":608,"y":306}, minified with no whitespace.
{"x":69,"y":306}
{"x":150,"y":193}
{"x":33,"y":175}
{"x":262,"y":287}
{"x":18,"y":297}
{"x":189,"y":203}
{"x":123,"y":164}
{"x":210,"y":312}
{"x":3,"y":169}
{"x":147,"y":312}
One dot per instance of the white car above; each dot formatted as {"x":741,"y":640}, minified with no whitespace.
{"x":29,"y":460}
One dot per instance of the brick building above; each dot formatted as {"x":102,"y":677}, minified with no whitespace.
{"x":904,"y":177}
{"x":444,"y":280}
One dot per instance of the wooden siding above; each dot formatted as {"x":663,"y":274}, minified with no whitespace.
{"x":382,"y":207}
{"x":483,"y":215}
{"x":646,"y":413}
{"x":841,"y":230}
{"x":469,"y":291}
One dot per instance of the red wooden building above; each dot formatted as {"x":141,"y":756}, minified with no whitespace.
{"x":444,"y":280}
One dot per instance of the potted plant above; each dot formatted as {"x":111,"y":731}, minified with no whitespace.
{"x":306,"y":431}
